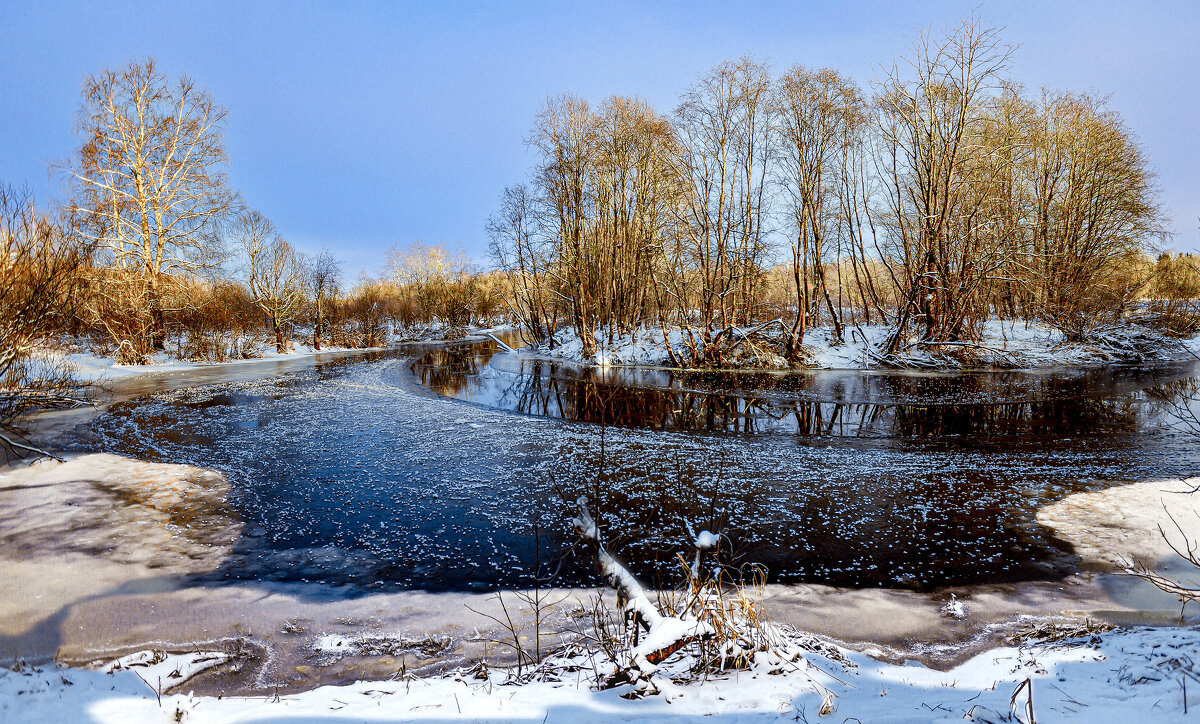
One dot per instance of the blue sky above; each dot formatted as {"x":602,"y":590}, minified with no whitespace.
{"x":355,"y":126}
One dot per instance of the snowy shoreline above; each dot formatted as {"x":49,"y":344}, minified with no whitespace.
{"x":87,"y":366}
{"x":1113,"y":677}
{"x":1005,"y":345}
{"x":985,"y":678}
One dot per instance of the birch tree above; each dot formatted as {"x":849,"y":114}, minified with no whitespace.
{"x":150,"y":178}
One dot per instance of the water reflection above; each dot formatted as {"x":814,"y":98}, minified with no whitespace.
{"x":809,"y":404}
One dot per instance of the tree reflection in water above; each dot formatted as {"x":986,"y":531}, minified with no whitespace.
{"x":911,"y":406}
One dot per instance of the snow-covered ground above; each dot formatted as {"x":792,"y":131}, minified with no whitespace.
{"x":1004,"y":343}
{"x":87,"y":366}
{"x":1136,"y":675}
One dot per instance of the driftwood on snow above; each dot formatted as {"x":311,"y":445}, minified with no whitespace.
{"x":664,"y":635}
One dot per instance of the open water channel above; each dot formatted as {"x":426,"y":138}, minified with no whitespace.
{"x":360,"y":472}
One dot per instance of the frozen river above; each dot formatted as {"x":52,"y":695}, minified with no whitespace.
{"x":360,"y":472}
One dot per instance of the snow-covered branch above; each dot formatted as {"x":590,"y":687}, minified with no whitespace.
{"x":664,"y":634}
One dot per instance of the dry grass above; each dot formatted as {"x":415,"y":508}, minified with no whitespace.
{"x":1052,"y":632}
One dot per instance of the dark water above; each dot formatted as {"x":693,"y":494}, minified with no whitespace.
{"x":1039,"y":405}
{"x":355,"y":472}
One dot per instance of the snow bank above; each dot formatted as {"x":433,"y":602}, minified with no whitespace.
{"x":644,"y":347}
{"x":1126,"y":676}
{"x":87,"y":367}
{"x":1120,"y":525}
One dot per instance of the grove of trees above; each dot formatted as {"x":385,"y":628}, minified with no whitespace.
{"x":155,"y":253}
{"x":942,"y":195}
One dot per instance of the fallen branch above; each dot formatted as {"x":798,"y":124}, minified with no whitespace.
{"x":14,"y":444}
{"x":664,"y":634}
{"x":497,"y":341}
{"x":969,"y":345}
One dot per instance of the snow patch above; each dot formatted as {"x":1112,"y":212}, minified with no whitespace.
{"x":1120,"y":525}
{"x":162,"y":671}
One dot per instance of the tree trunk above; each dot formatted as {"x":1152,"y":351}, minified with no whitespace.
{"x":317,"y":328}
{"x":158,"y":327}
{"x":280,"y":343}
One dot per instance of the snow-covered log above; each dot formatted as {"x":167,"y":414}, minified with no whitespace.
{"x":664,"y":634}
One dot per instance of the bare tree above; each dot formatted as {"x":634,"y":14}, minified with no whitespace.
{"x":1096,"y":208}
{"x":945,"y":198}
{"x":821,"y":116}
{"x":275,"y":274}
{"x":930,"y":118}
{"x":633,"y":192}
{"x":420,"y":271}
{"x":724,"y":132}
{"x":565,"y":136}
{"x":322,"y":277}
{"x":150,"y":178}
{"x":520,"y":248}
{"x":40,"y":270}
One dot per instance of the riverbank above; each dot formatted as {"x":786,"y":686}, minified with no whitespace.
{"x":1004,"y":344}
{"x":106,"y":555}
{"x":1115,"y":677}
{"x":87,"y":366}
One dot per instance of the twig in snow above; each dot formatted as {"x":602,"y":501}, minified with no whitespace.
{"x":1027,"y":686}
